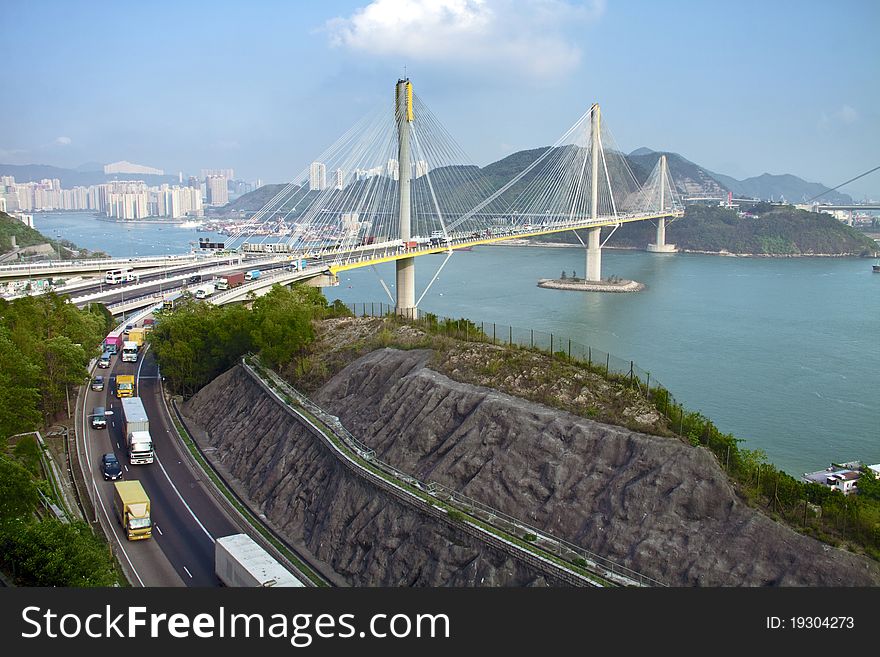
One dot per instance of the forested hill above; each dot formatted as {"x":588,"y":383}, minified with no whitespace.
{"x":773,"y":230}
{"x":26,"y":236}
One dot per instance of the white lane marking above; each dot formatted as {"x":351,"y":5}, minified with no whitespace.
{"x":118,"y":445}
{"x":183,"y":501}
{"x":110,"y":524}
{"x":125,"y":466}
{"x":159,"y":530}
{"x":165,"y":472}
{"x":187,"y":572}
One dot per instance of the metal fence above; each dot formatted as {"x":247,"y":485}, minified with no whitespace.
{"x":561,"y":346}
{"x":487,"y":514}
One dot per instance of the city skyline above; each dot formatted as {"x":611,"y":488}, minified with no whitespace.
{"x":740,"y":90}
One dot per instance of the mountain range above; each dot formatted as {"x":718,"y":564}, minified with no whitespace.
{"x":81,"y":176}
{"x":690,"y":179}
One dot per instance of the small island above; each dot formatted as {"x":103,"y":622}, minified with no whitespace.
{"x":610,"y":284}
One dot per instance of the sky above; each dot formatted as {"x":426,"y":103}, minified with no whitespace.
{"x":741,"y":88}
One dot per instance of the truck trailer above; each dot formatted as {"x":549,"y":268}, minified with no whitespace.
{"x":133,"y":509}
{"x":229,"y":281}
{"x":113,"y":344}
{"x":136,"y":428}
{"x":138,"y":336}
{"x":240,"y":561}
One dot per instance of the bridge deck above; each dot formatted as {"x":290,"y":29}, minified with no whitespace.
{"x":490,"y":239}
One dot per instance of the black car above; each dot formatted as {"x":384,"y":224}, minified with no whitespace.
{"x":98,"y":383}
{"x":195,"y":278}
{"x":110,"y":467}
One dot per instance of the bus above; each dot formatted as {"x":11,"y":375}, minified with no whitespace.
{"x":114,"y":276}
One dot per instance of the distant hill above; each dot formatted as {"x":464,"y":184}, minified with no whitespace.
{"x":28,"y":237}
{"x":694,"y":180}
{"x":775,"y":230}
{"x":74,"y":177}
{"x":770,"y":187}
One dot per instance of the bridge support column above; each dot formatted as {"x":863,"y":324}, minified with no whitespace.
{"x":406,"y":267}
{"x":661,"y":246}
{"x":594,"y":255}
{"x":406,"y":288}
{"x":594,"y":235}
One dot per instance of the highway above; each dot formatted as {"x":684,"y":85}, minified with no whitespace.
{"x":186,"y":518}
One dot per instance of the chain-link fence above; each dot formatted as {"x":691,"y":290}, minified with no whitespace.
{"x":560,"y":548}
{"x":812,"y":508}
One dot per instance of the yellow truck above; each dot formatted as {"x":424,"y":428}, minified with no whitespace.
{"x":133,"y":509}
{"x":137,"y":335}
{"x":124,"y":386}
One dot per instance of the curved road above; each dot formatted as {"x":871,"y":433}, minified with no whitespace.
{"x":186,"y":518}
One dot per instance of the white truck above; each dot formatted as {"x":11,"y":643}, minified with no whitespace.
{"x":136,"y":427}
{"x":239,"y":561}
{"x":204,"y":291}
{"x":129,"y":351}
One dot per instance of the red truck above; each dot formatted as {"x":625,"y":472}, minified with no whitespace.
{"x":230,"y":281}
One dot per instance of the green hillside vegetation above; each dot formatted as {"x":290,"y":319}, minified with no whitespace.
{"x":45,"y":346}
{"x":199,"y":341}
{"x":774,"y":230}
{"x":26,"y":236}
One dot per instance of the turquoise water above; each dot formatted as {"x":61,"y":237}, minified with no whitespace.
{"x":783,"y":353}
{"x":122,"y":240}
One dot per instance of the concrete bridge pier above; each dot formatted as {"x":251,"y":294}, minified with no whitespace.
{"x":594,"y":235}
{"x":594,"y":255}
{"x":660,"y":246}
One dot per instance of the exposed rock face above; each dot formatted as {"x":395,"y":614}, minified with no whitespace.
{"x":366,"y":536}
{"x":654,"y":504}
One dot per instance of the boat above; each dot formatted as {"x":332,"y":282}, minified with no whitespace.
{"x":877,"y":267}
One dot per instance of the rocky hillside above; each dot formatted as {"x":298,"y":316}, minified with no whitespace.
{"x":362,"y":534}
{"x":657,"y":505}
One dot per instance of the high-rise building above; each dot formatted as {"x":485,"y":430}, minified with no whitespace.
{"x":339,"y":174}
{"x":216,"y":190}
{"x":126,"y":199}
{"x":420,"y":168}
{"x":229,"y":174}
{"x":317,"y":176}
{"x":178,"y":202}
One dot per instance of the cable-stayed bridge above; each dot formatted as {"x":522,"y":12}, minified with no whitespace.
{"x":397,"y":186}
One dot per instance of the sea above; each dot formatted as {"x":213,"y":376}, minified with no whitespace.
{"x":784,"y":353}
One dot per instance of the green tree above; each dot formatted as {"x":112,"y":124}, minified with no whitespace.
{"x":283,"y":323}
{"x":51,"y":553}
{"x":869,"y":485}
{"x":18,"y":492}
{"x":19,"y":389}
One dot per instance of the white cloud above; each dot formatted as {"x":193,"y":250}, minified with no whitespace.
{"x":516,"y":37}
{"x":846,"y":114}
{"x":64,"y":141}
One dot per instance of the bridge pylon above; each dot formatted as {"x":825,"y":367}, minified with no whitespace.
{"x":660,"y":246}
{"x":406,"y":267}
{"x":594,"y":245}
